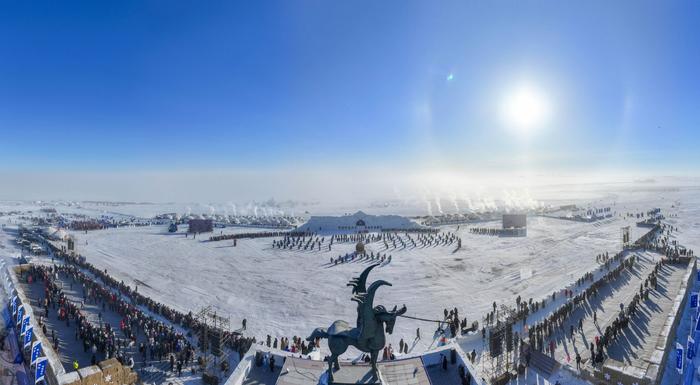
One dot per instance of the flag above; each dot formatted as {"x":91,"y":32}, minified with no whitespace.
{"x":14,"y":306}
{"x":691,"y":348}
{"x":25,"y":325}
{"x":40,"y":370}
{"x":693,"y":300}
{"x":28,"y":336}
{"x":36,"y":352}
{"x":679,"y":358}
{"x":20,"y":314}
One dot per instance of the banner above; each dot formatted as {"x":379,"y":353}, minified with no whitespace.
{"x":28,"y":337}
{"x":25,"y":325}
{"x":693,"y":300}
{"x":20,"y":314}
{"x":14,"y":306}
{"x":691,"y":348}
{"x":679,"y":358}
{"x":40,"y":369}
{"x":36,"y":352}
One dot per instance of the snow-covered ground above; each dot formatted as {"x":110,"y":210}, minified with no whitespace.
{"x":287,"y":293}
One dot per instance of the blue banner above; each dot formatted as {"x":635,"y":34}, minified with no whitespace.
{"x":28,"y":337}
{"x":679,"y":358}
{"x":40,"y":370}
{"x":691,"y":348}
{"x":693,"y":300}
{"x":20,"y":314}
{"x":25,"y":325}
{"x":36,"y":352}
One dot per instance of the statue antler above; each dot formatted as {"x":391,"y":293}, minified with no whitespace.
{"x":401,"y":311}
{"x":369,"y":296}
{"x":359,"y":283}
{"x":359,"y":298}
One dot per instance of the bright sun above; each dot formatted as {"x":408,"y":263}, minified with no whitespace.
{"x":525,"y":109}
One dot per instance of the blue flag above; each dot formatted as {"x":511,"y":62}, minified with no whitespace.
{"x":20,"y":314}
{"x":14,"y":305}
{"x":691,"y":348}
{"x":28,"y":337}
{"x":25,"y":325}
{"x":36,"y":352}
{"x":693,"y":300}
{"x":40,"y":370}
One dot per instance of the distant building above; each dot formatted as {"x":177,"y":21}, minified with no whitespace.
{"x":514,"y":225}
{"x":514,"y":221}
{"x":358,"y":223}
{"x":201,"y":226}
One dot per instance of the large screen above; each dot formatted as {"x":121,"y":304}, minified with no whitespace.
{"x":514,"y":220}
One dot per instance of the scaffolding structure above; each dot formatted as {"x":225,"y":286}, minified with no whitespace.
{"x":501,"y":358}
{"x":214,"y":333}
{"x":625,"y":237}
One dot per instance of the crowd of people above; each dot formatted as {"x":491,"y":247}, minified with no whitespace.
{"x":523,"y":308}
{"x":558,"y":320}
{"x":260,"y":234}
{"x":234,"y":340}
{"x":390,"y":240}
{"x":436,"y":239}
{"x":350,"y":257}
{"x":291,"y":242}
{"x":297,"y":345}
{"x":158,"y":339}
{"x":485,"y":231}
{"x":621,"y":322}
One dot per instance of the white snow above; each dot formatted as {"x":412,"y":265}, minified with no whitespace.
{"x":287,"y":293}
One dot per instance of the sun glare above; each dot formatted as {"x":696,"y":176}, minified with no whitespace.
{"x":525,"y":109}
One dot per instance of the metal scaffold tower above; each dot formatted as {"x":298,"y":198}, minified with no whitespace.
{"x":501,"y":358}
{"x":214,"y":334}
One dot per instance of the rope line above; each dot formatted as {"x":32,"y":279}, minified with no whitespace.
{"x":422,"y":319}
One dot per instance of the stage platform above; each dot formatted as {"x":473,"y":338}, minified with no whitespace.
{"x":298,"y":371}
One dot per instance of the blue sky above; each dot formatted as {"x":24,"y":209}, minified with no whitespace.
{"x":117,"y":86}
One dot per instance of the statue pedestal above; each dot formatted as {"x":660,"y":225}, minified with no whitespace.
{"x":354,"y":374}
{"x":298,"y":371}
